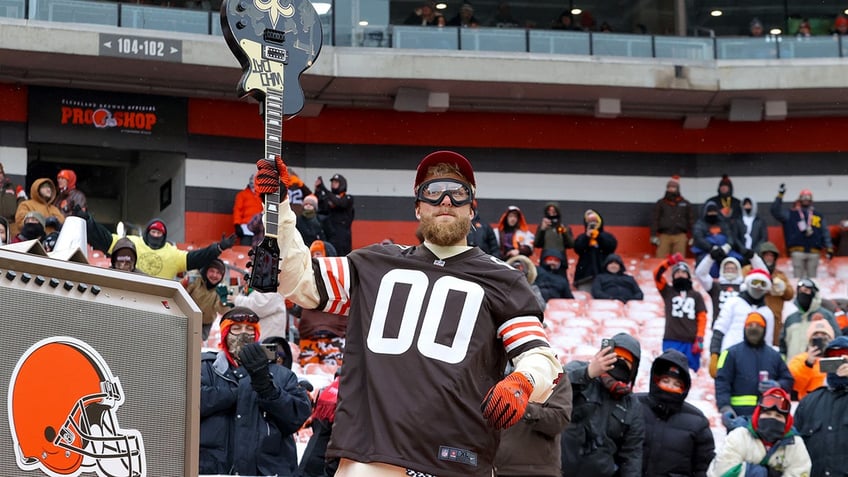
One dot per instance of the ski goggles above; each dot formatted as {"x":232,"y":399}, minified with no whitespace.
{"x":434,"y":191}
{"x":776,"y":402}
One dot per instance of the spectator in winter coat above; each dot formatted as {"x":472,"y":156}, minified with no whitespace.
{"x":613,"y":284}
{"x":822,"y":418}
{"x":43,"y":192}
{"x":5,"y":230}
{"x":482,"y":235}
{"x":673,"y":220}
{"x":271,"y":309}
{"x":593,"y":247}
{"x":729,"y":328}
{"x":314,"y":462}
{"x":607,"y":430}
{"x":10,"y":196}
{"x":805,"y":232}
{"x":69,"y":197}
{"x":514,"y":235}
{"x":780,"y":292}
{"x":714,"y":235}
{"x":751,"y":230}
{"x":246,"y":205}
{"x":793,"y":340}
{"x":124,"y":256}
{"x":728,"y":206}
{"x":738,"y":381}
{"x":312,"y":226}
{"x":520,"y":262}
{"x":678,"y":439}
{"x":552,"y":233}
{"x":296,"y":191}
{"x":533,"y":446}
{"x":724,"y":287}
{"x":204,"y":291}
{"x":805,"y":366}
{"x":32,"y":229}
{"x":685,"y":311}
{"x":551,"y":276}
{"x":249,"y":407}
{"x":765,"y":446}
{"x":337,"y":205}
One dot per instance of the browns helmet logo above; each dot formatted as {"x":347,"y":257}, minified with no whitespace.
{"x":62,"y":404}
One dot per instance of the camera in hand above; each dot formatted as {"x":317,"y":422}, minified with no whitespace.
{"x":607,"y":343}
{"x":270,"y":351}
{"x":818,"y":342}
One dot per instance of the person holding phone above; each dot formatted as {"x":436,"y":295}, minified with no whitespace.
{"x":822,"y":417}
{"x":805,"y":367}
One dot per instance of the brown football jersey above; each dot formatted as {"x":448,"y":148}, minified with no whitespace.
{"x":426,"y":339}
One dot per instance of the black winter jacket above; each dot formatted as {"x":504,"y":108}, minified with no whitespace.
{"x":616,"y":286}
{"x":241,"y":433}
{"x":822,"y":420}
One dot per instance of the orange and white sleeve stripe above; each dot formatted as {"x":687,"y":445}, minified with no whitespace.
{"x":521,"y":330}
{"x":335,"y":273}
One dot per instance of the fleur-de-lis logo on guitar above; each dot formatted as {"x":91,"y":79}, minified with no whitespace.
{"x":274,"y":44}
{"x":275,"y":10}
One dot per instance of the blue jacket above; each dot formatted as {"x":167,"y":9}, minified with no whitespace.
{"x":737,"y":380}
{"x":241,"y":433}
{"x":796,"y":239}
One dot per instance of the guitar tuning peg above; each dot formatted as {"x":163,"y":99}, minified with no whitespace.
{"x":250,"y":253}
{"x":241,"y":25}
{"x":247,"y":277}
{"x":241,"y":7}
{"x":248,"y":264}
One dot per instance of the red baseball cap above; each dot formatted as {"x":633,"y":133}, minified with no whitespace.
{"x":447,"y":157}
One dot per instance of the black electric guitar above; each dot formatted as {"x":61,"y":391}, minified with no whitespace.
{"x":275,"y":41}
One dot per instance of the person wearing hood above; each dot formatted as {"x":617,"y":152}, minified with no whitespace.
{"x":249,"y":406}
{"x":69,"y":197}
{"x":729,"y":327}
{"x":156,"y":256}
{"x":607,"y":430}
{"x":678,"y":439}
{"x":673,"y":221}
{"x":526,"y":266}
{"x":337,"y":205}
{"x":5,"y":236}
{"x":730,"y":207}
{"x":124,"y":257}
{"x":204,"y":291}
{"x":822,"y":417}
{"x":793,"y":340}
{"x":713,"y":235}
{"x":747,"y":369}
{"x":766,"y":259}
{"x":751,"y":229}
{"x":805,"y":232}
{"x":613,"y":284}
{"x":551,"y":276}
{"x":552,"y":233}
{"x":33,"y":228}
{"x":593,"y":247}
{"x":247,"y":204}
{"x":724,"y":287}
{"x":482,"y":235}
{"x":514,"y":236}
{"x":805,"y":367}
{"x":43,"y":192}
{"x":685,"y":310}
{"x":766,"y":445}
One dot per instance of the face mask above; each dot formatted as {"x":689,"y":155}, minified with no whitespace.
{"x":756,"y":293}
{"x":620,"y":371}
{"x":32,"y":231}
{"x":754,"y":335}
{"x":729,"y":276}
{"x":236,"y":342}
{"x":672,"y":195}
{"x":681,"y":284}
{"x":804,"y":301}
{"x":154,"y":242}
{"x":711,"y":219}
{"x":309,"y":213}
{"x":770,"y":429}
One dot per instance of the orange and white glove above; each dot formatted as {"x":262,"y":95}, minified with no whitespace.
{"x":269,"y":176}
{"x":505,"y":403}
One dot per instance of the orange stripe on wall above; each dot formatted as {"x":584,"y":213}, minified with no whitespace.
{"x":203,"y":228}
{"x":522,"y":131}
{"x":13,"y":103}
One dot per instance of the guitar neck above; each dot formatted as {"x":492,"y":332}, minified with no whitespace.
{"x":273,"y":113}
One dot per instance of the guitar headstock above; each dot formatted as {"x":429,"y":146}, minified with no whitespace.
{"x":275,"y":41}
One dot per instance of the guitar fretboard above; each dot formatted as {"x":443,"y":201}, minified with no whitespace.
{"x":273,"y":148}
